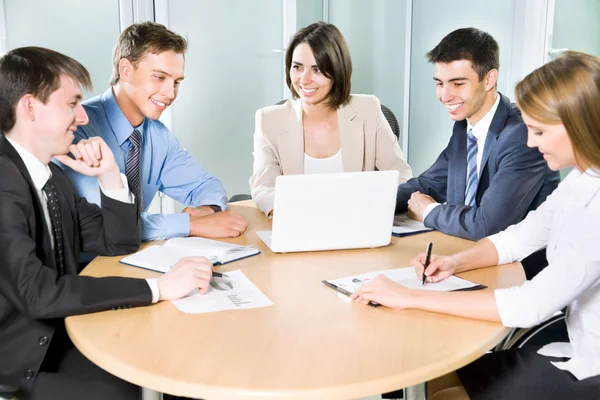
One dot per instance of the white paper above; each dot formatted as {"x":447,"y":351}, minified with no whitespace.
{"x":404,"y":276}
{"x":403,"y":225}
{"x":236,"y":292}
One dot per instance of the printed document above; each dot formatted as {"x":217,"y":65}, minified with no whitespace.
{"x":404,"y":276}
{"x":234,"y":292}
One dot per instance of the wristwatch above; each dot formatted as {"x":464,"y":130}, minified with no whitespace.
{"x":215,"y":208}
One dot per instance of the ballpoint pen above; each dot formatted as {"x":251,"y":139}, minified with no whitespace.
{"x":427,"y":260}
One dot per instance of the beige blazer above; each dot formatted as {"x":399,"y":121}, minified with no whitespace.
{"x":367,"y":142}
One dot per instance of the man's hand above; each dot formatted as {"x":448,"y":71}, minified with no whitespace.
{"x":94,"y":158}
{"x":218,"y":225}
{"x":417,"y":204}
{"x":384,"y":291}
{"x":199,"y":211}
{"x":188,"y":274}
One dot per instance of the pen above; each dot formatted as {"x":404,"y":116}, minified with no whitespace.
{"x":219,"y":275}
{"x":427,"y":259}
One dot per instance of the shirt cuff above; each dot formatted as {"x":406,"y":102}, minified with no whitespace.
{"x":123,"y":195}
{"x":178,"y":225}
{"x":153,"y":283}
{"x":500,"y":241}
{"x":514,"y":313}
{"x":428,"y":209}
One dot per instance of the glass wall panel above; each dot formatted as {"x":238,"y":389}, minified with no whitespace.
{"x":85,"y":30}
{"x":231,"y":71}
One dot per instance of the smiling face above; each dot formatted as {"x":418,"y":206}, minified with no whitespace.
{"x":149,"y":87}
{"x":56,"y":121}
{"x":465,"y":96}
{"x":308,"y":81}
{"x":552,"y":141}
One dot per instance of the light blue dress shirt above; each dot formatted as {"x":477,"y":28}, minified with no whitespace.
{"x":166,"y":167}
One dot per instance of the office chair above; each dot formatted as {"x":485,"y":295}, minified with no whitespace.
{"x":388,"y":114}
{"x":9,"y":391}
{"x":552,"y":330}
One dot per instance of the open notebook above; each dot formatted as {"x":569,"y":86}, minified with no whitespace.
{"x":404,"y":226}
{"x":162,"y":258}
{"x":404,"y":276}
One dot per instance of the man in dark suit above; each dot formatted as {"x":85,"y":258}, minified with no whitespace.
{"x":487,"y":178}
{"x":45,"y":225}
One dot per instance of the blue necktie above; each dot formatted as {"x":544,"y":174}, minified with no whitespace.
{"x":472,"y":176}
{"x":132,"y":166}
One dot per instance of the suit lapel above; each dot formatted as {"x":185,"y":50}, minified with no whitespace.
{"x":291,"y":143}
{"x":498,"y":123}
{"x":352,"y":139}
{"x":42,"y":232}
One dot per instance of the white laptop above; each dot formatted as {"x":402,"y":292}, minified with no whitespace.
{"x":332,"y":211}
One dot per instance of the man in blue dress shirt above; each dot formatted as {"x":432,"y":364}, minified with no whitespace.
{"x":148,"y":66}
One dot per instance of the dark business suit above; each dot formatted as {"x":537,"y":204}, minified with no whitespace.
{"x":514,"y":179}
{"x":33,"y":300}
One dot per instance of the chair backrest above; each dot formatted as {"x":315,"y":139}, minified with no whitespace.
{"x":389,"y":115}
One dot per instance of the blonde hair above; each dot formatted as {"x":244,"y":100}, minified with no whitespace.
{"x":567,"y":91}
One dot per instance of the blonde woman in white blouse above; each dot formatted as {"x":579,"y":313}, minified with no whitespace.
{"x":323,"y":128}
{"x":560,"y":103}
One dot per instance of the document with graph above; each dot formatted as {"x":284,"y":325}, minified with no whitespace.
{"x":233,"y":291}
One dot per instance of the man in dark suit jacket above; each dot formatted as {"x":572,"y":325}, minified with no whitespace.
{"x":45,"y":225}
{"x":487,"y":178}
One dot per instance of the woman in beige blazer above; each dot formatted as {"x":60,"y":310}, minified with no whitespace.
{"x":322,"y":129}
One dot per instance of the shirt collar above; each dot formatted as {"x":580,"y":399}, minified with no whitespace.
{"x":482,"y":127}
{"x":40,"y":172}
{"x":120,"y":125}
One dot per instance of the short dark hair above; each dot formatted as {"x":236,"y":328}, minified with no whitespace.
{"x":332,"y":56}
{"x":35,"y":71}
{"x":470,"y":44}
{"x":139,"y":39}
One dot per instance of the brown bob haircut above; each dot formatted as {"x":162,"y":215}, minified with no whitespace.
{"x":139,"y":39}
{"x":332,"y":56}
{"x":567,"y":91}
{"x":36,"y":71}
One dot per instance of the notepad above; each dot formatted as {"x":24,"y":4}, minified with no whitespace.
{"x":404,"y":226}
{"x":404,"y":276}
{"x":162,"y":258}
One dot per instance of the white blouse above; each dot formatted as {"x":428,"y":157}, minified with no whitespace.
{"x":568,"y":224}
{"x":329,"y":165}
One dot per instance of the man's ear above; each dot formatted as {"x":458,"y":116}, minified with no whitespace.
{"x":491,"y":78}
{"x":126,"y":68}
{"x":26,"y":107}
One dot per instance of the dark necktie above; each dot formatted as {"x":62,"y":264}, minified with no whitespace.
{"x":57,"y":231}
{"x":472,"y":175}
{"x":132,"y":168}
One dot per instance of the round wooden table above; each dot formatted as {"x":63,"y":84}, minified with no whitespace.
{"x":311,"y":343}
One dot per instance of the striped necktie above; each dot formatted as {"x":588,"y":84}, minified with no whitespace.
{"x":132,"y":167}
{"x":57,"y":231}
{"x":472,"y":175}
